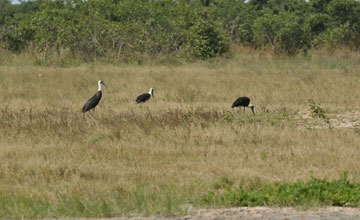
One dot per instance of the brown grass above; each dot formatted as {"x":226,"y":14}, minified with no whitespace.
{"x":155,"y":157}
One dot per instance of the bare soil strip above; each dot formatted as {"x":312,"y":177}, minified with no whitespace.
{"x":262,"y":213}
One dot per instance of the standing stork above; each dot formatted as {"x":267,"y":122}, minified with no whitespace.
{"x":243,"y":102}
{"x":93,"y":101}
{"x":144,"y":97}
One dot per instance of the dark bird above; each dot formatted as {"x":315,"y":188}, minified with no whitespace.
{"x":146,"y":96}
{"x":93,"y":101}
{"x":243,"y":102}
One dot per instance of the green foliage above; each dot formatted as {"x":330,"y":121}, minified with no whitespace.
{"x":338,"y":25}
{"x":319,"y":6}
{"x":5,"y":11}
{"x":338,"y":35}
{"x":202,"y":29}
{"x":317,"y":23}
{"x":205,"y":38}
{"x":316,"y":192}
{"x":317,"y":111}
{"x":284,"y":31}
{"x":237,"y":19}
{"x":344,"y":11}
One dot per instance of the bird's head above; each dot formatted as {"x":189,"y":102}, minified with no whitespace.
{"x":100,"y":82}
{"x":252,"y":108}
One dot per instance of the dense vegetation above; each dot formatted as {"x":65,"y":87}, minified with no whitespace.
{"x":123,"y":29}
{"x":316,"y":192}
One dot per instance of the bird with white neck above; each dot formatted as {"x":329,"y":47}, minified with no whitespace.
{"x":95,"y":99}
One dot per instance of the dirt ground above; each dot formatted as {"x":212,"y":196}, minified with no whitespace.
{"x":263,"y":213}
{"x":257,"y":213}
{"x":336,"y":120}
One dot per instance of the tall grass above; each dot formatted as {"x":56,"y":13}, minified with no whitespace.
{"x":154,"y":158}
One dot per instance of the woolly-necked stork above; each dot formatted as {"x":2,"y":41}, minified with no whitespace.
{"x":243,"y":102}
{"x":146,"y":96}
{"x":93,"y":101}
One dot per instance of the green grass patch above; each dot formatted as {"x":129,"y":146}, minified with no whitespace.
{"x":316,"y":192}
{"x":165,"y":201}
{"x":147,"y":201}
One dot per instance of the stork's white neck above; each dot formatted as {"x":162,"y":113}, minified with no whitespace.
{"x":150,"y":91}
{"x":99,"y":86}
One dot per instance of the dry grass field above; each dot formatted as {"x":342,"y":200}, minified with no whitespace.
{"x":157,"y":157}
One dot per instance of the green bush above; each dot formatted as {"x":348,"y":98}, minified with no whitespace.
{"x":187,"y":29}
{"x":316,"y":192}
{"x":284,"y":31}
{"x":237,"y":19}
{"x":338,"y":36}
{"x":205,"y":38}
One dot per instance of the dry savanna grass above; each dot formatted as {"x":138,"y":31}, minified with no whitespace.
{"x":158,"y":157}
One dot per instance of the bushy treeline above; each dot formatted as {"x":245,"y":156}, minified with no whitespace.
{"x":180,"y":28}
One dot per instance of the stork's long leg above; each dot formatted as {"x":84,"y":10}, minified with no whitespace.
{"x":238,"y":109}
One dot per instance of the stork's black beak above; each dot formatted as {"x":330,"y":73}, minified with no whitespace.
{"x":252,"y":109}
{"x":103,"y":83}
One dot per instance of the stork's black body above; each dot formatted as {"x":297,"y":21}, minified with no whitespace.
{"x":145,"y":97}
{"x":92,"y":102}
{"x":243,"y":102}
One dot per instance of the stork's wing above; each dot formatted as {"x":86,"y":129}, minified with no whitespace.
{"x":143,"y":97}
{"x":91,"y":103}
{"x":242,"y":101}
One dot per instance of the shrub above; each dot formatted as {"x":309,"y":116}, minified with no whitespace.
{"x":284,"y":31}
{"x":318,"y":192}
{"x":205,"y":38}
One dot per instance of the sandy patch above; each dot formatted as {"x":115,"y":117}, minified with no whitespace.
{"x":263,"y":213}
{"x":336,"y":120}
